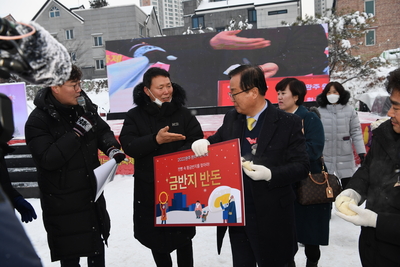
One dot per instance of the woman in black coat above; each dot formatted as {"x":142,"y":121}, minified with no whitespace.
{"x":312,"y":221}
{"x":158,"y":125}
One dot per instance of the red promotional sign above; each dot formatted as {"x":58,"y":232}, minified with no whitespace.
{"x":198,"y":191}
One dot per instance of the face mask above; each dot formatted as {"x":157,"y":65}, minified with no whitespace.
{"x":333,"y":99}
{"x":156,"y":100}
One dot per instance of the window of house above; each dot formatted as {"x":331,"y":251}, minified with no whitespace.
{"x":370,"y":7}
{"x":69,"y":34}
{"x":141,"y":30}
{"x":98,"y":40}
{"x":252,"y":15}
{"x":370,"y":37}
{"x":54,"y":12}
{"x":100,"y":64}
{"x":277,"y":12}
{"x":197,"y":22}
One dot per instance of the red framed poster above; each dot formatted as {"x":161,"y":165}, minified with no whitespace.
{"x":200,"y":191}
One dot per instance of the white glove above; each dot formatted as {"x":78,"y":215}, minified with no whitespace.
{"x":260,"y":172}
{"x":351,"y":194}
{"x":200,"y":147}
{"x":364,"y":217}
{"x":344,"y":199}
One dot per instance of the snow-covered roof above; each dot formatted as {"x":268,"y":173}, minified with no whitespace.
{"x":206,"y":5}
{"x":48,"y":2}
{"x":147,"y":9}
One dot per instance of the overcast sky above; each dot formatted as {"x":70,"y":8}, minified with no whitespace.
{"x":25,"y":10}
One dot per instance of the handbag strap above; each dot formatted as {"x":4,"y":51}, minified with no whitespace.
{"x":325,"y":176}
{"x":322,"y":171}
{"x":323,"y":163}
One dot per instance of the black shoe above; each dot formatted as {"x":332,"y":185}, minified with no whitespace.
{"x":312,"y":263}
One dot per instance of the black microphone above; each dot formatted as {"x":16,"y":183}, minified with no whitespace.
{"x":33,"y":54}
{"x":82,"y":102}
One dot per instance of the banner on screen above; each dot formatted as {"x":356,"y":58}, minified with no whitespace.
{"x":199,"y":62}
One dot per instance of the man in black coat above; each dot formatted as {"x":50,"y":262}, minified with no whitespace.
{"x":64,"y":139}
{"x":158,"y":125}
{"x":377,"y":182}
{"x":275,"y":146}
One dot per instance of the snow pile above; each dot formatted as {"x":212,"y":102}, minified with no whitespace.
{"x":125,"y":250}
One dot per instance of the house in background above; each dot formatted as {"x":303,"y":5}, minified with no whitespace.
{"x":84,"y":31}
{"x":200,"y":15}
{"x":384,"y":34}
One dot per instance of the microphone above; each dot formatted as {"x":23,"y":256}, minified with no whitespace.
{"x":82,"y":102}
{"x":30,"y":52}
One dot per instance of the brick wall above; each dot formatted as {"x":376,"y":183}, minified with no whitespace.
{"x":387,"y":25}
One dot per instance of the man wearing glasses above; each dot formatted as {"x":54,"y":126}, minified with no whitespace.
{"x":273,"y":142}
{"x":64,"y":139}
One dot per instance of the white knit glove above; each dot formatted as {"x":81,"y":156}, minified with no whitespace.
{"x":364,"y":217}
{"x":260,"y":172}
{"x":344,"y":199}
{"x":200,"y":147}
{"x":352,"y":194}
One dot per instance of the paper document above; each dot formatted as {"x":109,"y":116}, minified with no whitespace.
{"x":104,"y":174}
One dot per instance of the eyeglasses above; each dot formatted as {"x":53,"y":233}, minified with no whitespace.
{"x":76,"y":86}
{"x":232,"y":96}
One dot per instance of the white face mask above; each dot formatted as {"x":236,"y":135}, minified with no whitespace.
{"x":333,"y":99}
{"x":156,"y":100}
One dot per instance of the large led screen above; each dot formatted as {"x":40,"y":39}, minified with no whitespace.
{"x":200,"y":62}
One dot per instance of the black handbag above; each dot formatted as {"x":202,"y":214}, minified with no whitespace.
{"x":318,"y":188}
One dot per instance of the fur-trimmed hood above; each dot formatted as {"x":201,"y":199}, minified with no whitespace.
{"x":322,"y":101}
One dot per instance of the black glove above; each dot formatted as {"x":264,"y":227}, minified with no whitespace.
{"x":362,"y":157}
{"x":116,"y":154}
{"x":84,"y":124}
{"x":25,"y":209}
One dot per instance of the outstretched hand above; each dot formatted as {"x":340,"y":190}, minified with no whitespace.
{"x":228,"y":40}
{"x":269,"y":69}
{"x":163,"y":136}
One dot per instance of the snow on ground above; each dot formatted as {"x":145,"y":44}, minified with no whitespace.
{"x":125,"y":250}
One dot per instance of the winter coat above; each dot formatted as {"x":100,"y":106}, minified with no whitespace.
{"x":312,"y":221}
{"x":65,"y":164}
{"x":138,"y":139}
{"x":281,"y":147}
{"x":342,"y":130}
{"x":374,"y":181}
